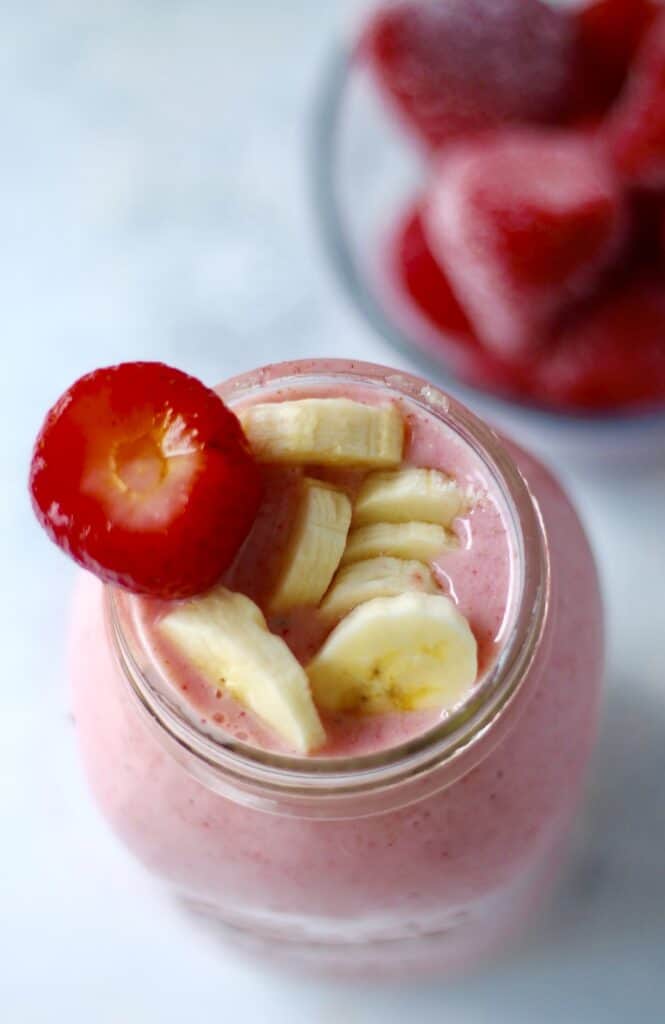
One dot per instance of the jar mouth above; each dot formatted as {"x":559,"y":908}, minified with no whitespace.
{"x":262,"y":776}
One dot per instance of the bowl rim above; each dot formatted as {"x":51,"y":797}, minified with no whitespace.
{"x":323,"y":148}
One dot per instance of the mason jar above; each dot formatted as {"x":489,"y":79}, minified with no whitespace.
{"x":428,"y":856}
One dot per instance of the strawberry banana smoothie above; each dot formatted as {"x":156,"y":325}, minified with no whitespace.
{"x":470,"y":559}
{"x":362,"y":748}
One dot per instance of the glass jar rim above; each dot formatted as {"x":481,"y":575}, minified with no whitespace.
{"x":266,"y":778}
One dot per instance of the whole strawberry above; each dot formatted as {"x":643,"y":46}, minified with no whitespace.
{"x":143,"y":476}
{"x":452,"y":68}
{"x":522,"y":223}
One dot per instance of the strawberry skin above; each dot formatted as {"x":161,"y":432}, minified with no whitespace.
{"x":612,"y":356}
{"x":424,"y":280}
{"x":608,"y":34}
{"x":608,"y":354}
{"x":143,"y":476}
{"x":537,"y":248}
{"x":421,"y":280}
{"x":635,"y":130}
{"x":522,"y":223}
{"x":451,"y":68}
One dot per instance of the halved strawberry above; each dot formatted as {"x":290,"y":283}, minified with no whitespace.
{"x":522,"y":223}
{"x":635,"y":130}
{"x":455,"y":67}
{"x":608,"y":33}
{"x":143,"y":476}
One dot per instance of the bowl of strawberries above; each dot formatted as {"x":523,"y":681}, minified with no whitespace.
{"x":490,"y":178}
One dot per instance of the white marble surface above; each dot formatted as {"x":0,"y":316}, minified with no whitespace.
{"x":153,"y":204}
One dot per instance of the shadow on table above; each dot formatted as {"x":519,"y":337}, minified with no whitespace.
{"x":598,"y":957}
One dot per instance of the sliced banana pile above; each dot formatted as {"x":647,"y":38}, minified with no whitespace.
{"x":398,"y":644}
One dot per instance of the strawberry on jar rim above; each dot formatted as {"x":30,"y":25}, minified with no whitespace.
{"x":143,"y":476}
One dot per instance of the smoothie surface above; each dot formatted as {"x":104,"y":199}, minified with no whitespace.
{"x":477,"y":572}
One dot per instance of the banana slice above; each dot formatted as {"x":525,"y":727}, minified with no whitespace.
{"x":315,"y":547}
{"x":420,"y":541}
{"x":376,"y":577}
{"x":403,"y":653}
{"x":325,"y":431}
{"x":408,"y":495}
{"x":225,"y":637}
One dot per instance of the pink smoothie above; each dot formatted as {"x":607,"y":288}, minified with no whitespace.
{"x":477,"y":572}
{"x":433,"y":882}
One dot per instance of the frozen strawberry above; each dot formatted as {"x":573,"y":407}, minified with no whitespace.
{"x":613,"y":355}
{"x":455,"y":67}
{"x":646,"y":212}
{"x":143,"y":476}
{"x":636,"y":127}
{"x":522,"y":223}
{"x":424,"y":280}
{"x":610,"y":353}
{"x":608,"y":33}
{"x":421,"y":280}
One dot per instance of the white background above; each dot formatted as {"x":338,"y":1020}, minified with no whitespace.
{"x":153,"y":204}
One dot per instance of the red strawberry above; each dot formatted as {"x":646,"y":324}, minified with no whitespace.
{"x":646,"y":211}
{"x":454,"y":67}
{"x":522,"y":223}
{"x":420,"y":277}
{"x":613,"y":356}
{"x":424,"y":280}
{"x":143,"y":476}
{"x":608,"y":35}
{"x":636,"y":128}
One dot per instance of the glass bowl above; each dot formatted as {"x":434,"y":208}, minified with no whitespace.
{"x":365,"y":171}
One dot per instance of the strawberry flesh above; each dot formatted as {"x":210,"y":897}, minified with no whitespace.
{"x":455,"y":67}
{"x":144,"y":477}
{"x":522,"y":223}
